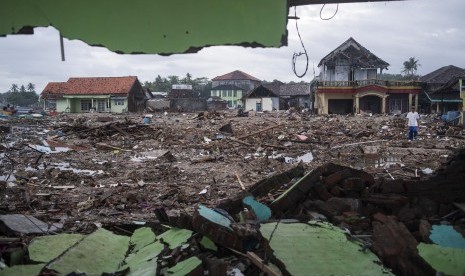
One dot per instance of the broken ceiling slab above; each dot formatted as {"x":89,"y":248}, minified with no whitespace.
{"x":190,"y":266}
{"x":175,"y":237}
{"x":449,"y":261}
{"x":147,"y":247}
{"x":24,"y":224}
{"x":99,"y":252}
{"x":46,"y":248}
{"x":142,"y":237}
{"x":23,"y":270}
{"x":195,"y":24}
{"x":320,"y":249}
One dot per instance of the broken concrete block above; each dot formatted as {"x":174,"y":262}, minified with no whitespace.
{"x":217,"y":227}
{"x":261,"y":211}
{"x":24,"y":224}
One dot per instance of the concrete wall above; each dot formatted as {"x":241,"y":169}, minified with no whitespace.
{"x":158,"y":105}
{"x":188,"y":104}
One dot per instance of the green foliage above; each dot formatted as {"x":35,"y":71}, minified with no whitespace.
{"x":20,"y":95}
{"x":410,"y":66}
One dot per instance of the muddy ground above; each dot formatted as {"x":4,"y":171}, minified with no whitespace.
{"x":102,"y":168}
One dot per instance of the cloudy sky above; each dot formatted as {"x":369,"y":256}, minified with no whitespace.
{"x":429,"y":30}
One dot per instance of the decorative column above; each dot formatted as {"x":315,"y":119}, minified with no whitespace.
{"x":383,"y":104}
{"x":357,"y":103}
{"x":409,"y":102}
{"x":416,"y":102}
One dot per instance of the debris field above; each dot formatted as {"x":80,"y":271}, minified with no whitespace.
{"x":215,"y":194}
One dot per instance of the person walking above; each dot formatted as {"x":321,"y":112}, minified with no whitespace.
{"x":412,"y":122}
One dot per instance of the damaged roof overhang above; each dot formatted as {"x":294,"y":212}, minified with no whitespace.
{"x":316,"y":2}
{"x":156,"y":26}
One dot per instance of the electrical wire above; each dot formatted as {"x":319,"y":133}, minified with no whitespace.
{"x":296,"y":55}
{"x":331,"y":17}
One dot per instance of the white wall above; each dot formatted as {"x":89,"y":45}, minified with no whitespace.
{"x":267,"y":103}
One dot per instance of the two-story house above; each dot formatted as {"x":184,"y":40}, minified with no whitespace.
{"x":233,"y":86}
{"x":348,"y":83}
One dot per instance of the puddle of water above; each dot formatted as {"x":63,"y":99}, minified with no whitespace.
{"x":12,"y":178}
{"x":64,"y":166}
{"x":48,"y":150}
{"x":376,"y":161}
{"x":306,"y":158}
{"x":148,"y":155}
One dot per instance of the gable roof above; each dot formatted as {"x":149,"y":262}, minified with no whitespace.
{"x":236,"y":75}
{"x":294,"y":89}
{"x":443,"y":74}
{"x":261,"y":92}
{"x":357,"y":55}
{"x":289,"y":89}
{"x":91,"y":86}
{"x":227,"y":87}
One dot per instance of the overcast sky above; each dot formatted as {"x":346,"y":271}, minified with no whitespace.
{"x":432,"y":31}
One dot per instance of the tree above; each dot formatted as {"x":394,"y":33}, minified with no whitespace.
{"x":22,"y":89}
{"x":410,"y":66}
{"x":14,"y":87}
{"x":31,"y":87}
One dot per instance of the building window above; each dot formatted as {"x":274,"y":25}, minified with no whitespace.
{"x":224,"y":93}
{"x":86,"y":105}
{"x":230,"y":93}
{"x":119,"y":102}
{"x":235,"y":93}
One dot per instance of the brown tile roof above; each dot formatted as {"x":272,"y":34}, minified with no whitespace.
{"x":100,"y":85}
{"x":53,"y":90}
{"x":236,"y":75}
{"x":91,"y":86}
{"x":443,"y":74}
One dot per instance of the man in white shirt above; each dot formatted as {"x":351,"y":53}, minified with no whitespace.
{"x":412,"y":121}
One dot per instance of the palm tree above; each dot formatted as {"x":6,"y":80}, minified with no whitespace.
{"x":14,"y":87}
{"x":410,"y":66}
{"x":31,"y":87}
{"x":22,"y":89}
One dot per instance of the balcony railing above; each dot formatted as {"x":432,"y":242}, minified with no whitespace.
{"x":362,"y":83}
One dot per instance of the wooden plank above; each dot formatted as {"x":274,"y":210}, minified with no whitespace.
{"x":261,"y":264}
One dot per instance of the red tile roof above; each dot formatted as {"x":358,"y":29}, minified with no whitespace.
{"x":236,"y":75}
{"x":91,"y":86}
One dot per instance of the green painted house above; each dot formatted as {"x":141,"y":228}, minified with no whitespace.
{"x":97,"y":94}
{"x":233,"y":86}
{"x":230,"y":93}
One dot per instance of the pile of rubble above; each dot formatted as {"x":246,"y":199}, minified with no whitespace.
{"x":212,"y":192}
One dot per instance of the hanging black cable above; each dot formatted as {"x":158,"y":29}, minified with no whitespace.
{"x":331,"y":17}
{"x":296,"y":55}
